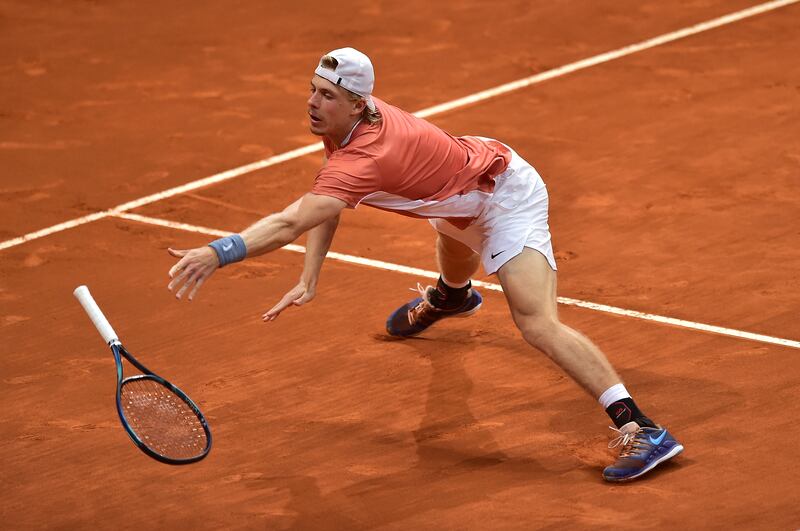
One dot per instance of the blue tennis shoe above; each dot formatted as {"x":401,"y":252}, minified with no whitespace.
{"x":416,"y":316}
{"x":642,"y":450}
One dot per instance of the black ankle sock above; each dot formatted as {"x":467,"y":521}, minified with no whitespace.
{"x":625,"y":410}
{"x":447,"y":298}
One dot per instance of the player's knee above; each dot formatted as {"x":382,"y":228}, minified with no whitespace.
{"x":537,"y":330}
{"x":459,"y":256}
{"x":454,"y":250}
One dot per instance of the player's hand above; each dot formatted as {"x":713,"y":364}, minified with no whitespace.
{"x":193,"y":268}
{"x":297,"y":296}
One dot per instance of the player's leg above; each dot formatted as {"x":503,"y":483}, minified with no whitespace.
{"x":529,"y":284}
{"x":452,"y":296}
{"x":457,"y":262}
{"x":530,"y":288}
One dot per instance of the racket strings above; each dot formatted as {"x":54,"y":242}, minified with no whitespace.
{"x":162,"y":420}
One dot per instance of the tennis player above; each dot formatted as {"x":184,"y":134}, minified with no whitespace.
{"x":488,"y":206}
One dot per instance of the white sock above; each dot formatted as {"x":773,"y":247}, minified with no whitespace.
{"x":613,"y":394}
{"x":454,"y":285}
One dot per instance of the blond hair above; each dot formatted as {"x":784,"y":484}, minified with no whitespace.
{"x":367,"y":114}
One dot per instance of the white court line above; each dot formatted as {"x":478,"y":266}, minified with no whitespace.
{"x":430,"y":111}
{"x":188,"y":187}
{"x":606,"y":57}
{"x":378,"y":264}
{"x":55,"y":228}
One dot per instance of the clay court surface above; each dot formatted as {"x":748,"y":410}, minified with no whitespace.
{"x":674,"y":176}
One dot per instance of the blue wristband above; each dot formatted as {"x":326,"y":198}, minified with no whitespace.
{"x":229,"y":249}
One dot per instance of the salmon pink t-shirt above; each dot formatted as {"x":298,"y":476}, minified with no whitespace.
{"x":408,"y":165}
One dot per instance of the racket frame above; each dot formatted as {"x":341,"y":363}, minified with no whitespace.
{"x":112,"y":340}
{"x":119,"y":352}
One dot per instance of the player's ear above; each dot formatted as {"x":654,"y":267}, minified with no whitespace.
{"x":359,"y":105}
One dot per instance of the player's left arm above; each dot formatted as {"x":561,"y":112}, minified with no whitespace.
{"x":275,"y":231}
{"x":267,"y":234}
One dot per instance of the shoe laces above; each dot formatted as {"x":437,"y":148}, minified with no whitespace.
{"x":631,"y":442}
{"x":424,"y":304}
{"x":422,"y":290}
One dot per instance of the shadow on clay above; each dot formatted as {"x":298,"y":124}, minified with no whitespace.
{"x":458,"y":461}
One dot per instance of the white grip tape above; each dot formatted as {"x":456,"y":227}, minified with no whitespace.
{"x":93,"y":310}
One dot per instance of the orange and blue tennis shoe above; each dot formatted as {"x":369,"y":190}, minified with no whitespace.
{"x":643,"y":448}
{"x":416,"y":316}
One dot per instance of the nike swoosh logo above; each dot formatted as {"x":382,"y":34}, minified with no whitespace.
{"x":658,"y":439}
{"x":227,"y":247}
{"x":498,"y":254}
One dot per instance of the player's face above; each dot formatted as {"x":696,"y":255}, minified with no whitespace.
{"x":331,"y":113}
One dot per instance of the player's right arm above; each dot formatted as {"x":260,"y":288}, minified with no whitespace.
{"x":317,"y":245}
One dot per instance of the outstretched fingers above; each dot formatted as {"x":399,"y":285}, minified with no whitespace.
{"x":275,"y":311}
{"x":297,"y":296}
{"x":181,"y":264}
{"x":192,"y":270}
{"x":191,"y":278}
{"x":197,"y":286}
{"x":184,"y":277}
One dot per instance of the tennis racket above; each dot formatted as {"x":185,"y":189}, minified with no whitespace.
{"x":160,"y":419}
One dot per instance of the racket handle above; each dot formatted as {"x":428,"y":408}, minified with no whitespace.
{"x":93,"y":310}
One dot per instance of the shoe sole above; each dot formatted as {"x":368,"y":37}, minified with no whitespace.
{"x":454,"y":316}
{"x":677,"y":449}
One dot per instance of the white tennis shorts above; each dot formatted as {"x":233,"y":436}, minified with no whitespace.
{"x":514,"y":216}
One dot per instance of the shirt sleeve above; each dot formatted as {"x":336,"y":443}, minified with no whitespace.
{"x":348,"y":177}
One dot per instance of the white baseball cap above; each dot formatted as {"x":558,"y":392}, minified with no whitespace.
{"x":353,"y":72}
